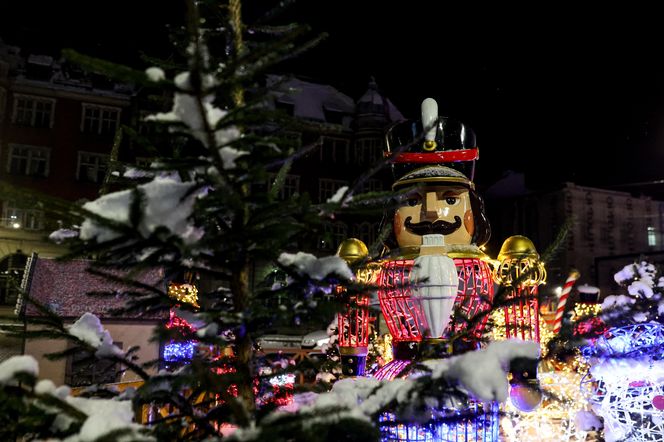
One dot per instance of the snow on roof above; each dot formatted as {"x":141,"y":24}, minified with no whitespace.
{"x":585,"y":288}
{"x":41,"y":60}
{"x":64,"y":287}
{"x":310,"y":100}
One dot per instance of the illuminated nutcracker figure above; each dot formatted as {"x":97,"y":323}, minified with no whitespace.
{"x":434,"y":283}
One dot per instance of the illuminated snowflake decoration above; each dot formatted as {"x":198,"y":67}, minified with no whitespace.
{"x":627,"y":368}
{"x":554,"y":419}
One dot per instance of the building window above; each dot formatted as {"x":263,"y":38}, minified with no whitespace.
{"x":33,"y":111}
{"x":91,"y":167}
{"x":365,"y":232}
{"x":85,"y":369}
{"x":294,"y":139}
{"x":335,"y":233}
{"x":28,"y":160}
{"x":287,"y":108}
{"x":99,"y":119}
{"x":11,"y":274}
{"x":333,"y":116}
{"x":368,"y":150}
{"x":15,"y":217}
{"x":652,"y":236}
{"x":290,"y":187}
{"x":372,"y":185}
{"x":327,"y":188}
{"x":334,"y":150}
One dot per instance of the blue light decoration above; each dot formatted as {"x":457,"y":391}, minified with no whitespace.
{"x":626,"y":386}
{"x":476,"y":423}
{"x":179,"y":351}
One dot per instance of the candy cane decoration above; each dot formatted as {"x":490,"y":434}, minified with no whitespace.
{"x":571,"y":279}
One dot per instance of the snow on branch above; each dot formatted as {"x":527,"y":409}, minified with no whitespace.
{"x":18,"y":364}
{"x":316,"y":268}
{"x":88,"y":329}
{"x":186,"y":110}
{"x":483,"y":372}
{"x":167,"y":202}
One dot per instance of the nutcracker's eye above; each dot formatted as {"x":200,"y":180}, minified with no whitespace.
{"x":413,"y":201}
{"x":451,"y":200}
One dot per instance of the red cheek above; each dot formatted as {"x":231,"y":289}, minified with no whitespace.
{"x":469,"y":222}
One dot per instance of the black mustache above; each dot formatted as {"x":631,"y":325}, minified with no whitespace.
{"x":439,"y":226}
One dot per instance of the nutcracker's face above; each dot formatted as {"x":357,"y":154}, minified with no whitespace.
{"x":441,"y":209}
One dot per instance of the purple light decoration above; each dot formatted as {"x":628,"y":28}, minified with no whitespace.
{"x":391,"y":370}
{"x":179,"y":351}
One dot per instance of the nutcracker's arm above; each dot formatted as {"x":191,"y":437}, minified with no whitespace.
{"x":520,"y":272}
{"x":354,"y":319}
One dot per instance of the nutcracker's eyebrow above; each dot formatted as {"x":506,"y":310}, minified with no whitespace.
{"x":452,"y":192}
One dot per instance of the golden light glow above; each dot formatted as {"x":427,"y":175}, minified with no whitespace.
{"x":497,"y":319}
{"x":352,"y":250}
{"x":382,"y":346}
{"x":368,"y":274}
{"x":527,"y":271}
{"x":553,"y":421}
{"x":429,"y":145}
{"x":586,"y":310}
{"x":519,"y":262}
{"x":187,"y":293}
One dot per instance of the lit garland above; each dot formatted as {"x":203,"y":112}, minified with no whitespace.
{"x":498,"y":330}
{"x":480,"y":426}
{"x":584,"y":310}
{"x":587,"y":320}
{"x":554,"y":420}
{"x":179,"y":351}
{"x":187,"y":293}
{"x":174,"y":321}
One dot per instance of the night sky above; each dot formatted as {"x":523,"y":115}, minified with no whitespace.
{"x":563,"y":94}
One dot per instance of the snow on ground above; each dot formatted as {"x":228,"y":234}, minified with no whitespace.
{"x":316,"y":268}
